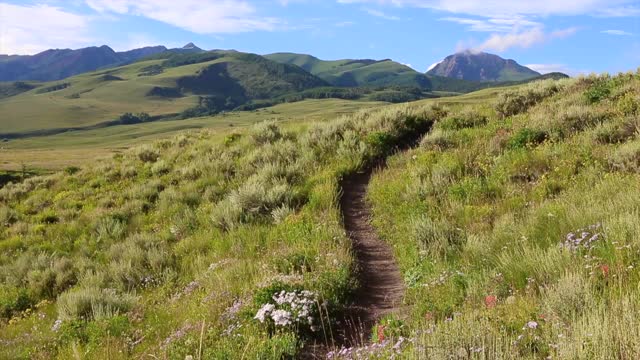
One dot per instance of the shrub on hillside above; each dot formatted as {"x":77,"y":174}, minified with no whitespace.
{"x":626,"y":158}
{"x":13,"y":300}
{"x":438,"y":139}
{"x":526,"y":137}
{"x":147,"y":154}
{"x":266,"y":132}
{"x":599,"y":90}
{"x":8,"y":216}
{"x":468,"y":118}
{"x":618,"y":132}
{"x":139,"y":261}
{"x":93,"y":303}
{"x":436,"y":237}
{"x":518,"y":101}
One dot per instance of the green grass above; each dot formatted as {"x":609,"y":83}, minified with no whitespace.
{"x":80,"y":147}
{"x":170,"y":249}
{"x":478,"y":213}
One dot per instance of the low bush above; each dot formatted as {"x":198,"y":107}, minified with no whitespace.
{"x":93,"y":304}
{"x":467,"y":118}
{"x":515,"y":102}
{"x":526,"y":138}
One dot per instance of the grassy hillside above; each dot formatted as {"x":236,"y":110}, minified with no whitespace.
{"x":77,"y":148}
{"x":356,"y":72}
{"x":171,"y":249}
{"x":222,"y":81}
{"x":515,"y":224}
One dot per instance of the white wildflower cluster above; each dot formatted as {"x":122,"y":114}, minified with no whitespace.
{"x":582,"y":238}
{"x":290,"y":308}
{"x":442,"y":278}
{"x":56,"y":325}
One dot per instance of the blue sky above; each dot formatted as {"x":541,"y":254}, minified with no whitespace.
{"x":574,"y":36}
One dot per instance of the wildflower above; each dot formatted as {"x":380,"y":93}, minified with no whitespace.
{"x":605,"y":269}
{"x":490,"y":301}
{"x":56,"y":325}
{"x":264,"y":311}
{"x":281,"y":317}
{"x":428,"y":316}
{"x":532,"y":325}
{"x":381,"y":333}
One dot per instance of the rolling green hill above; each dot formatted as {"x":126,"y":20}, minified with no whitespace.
{"x":213,"y":81}
{"x":353,"y":73}
{"x":57,"y":64}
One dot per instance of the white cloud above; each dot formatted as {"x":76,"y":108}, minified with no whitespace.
{"x":199,"y":16}
{"x":30,"y":29}
{"x":549,"y":68}
{"x":434,"y":65}
{"x":524,"y":39}
{"x":381,"y":14}
{"x":617,"y":32}
{"x":507,"y":8}
{"x":493,"y":24}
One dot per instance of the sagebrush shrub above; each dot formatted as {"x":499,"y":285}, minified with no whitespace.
{"x":515,"y":102}
{"x":568,"y":298}
{"x":8,"y":216}
{"x":437,"y":237}
{"x":138,"y":261}
{"x":93,"y":304}
{"x":438,"y":139}
{"x":266,"y":132}
{"x":626,"y":158}
{"x":467,"y":118}
{"x":148,"y":154}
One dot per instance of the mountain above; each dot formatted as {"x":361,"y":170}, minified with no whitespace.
{"x":190,"y":84}
{"x":56,"y":64}
{"x":481,"y":67}
{"x":352,"y":73}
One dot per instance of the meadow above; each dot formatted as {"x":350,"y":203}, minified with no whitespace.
{"x":75,"y":148}
{"x":515,"y":224}
{"x":208,"y":244}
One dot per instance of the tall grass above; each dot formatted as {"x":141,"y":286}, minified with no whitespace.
{"x":518,"y":236}
{"x":133,"y":255}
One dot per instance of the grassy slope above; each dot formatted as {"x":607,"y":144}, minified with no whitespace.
{"x":170,"y":248}
{"x":81,"y":147}
{"x":361,"y":73}
{"x":98,"y":100}
{"x":478,"y":213}
{"x":101,"y":96}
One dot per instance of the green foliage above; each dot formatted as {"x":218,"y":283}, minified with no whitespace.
{"x":484,"y":222}
{"x":53,"y":88}
{"x":13,"y":300}
{"x":525,"y":138}
{"x":598,"y":91}
{"x":467,"y":118}
{"x":70,"y":170}
{"x":516,"y":102}
{"x":92,"y":303}
{"x":129,"y":118}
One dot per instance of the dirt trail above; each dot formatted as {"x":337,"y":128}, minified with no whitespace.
{"x":382,"y":286}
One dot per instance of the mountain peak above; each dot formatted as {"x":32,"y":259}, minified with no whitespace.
{"x":190,"y":46}
{"x":481,"y":66}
